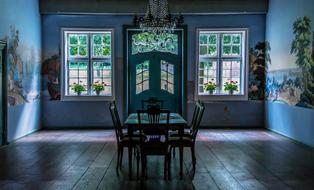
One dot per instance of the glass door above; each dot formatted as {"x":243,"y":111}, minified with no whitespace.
{"x":155,"y":69}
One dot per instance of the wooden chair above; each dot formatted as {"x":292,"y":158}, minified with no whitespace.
{"x":157,"y":136}
{"x":189,"y":139}
{"x":152,"y":102}
{"x":189,"y":127}
{"x":123,"y":140}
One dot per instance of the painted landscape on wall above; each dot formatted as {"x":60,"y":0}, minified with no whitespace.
{"x":295,"y":86}
{"x":23,"y":66}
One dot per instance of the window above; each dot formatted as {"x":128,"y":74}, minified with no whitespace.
{"x":142,"y":77}
{"x":222,"y":59}
{"x":87,"y":61}
{"x":167,"y":72}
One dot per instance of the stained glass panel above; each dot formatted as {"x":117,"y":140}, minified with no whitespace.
{"x":232,"y":44}
{"x":208,"y":44}
{"x":147,"y":42}
{"x":101,"y":45}
{"x":77,"y":44}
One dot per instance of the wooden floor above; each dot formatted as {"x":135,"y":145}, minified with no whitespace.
{"x":226,"y":159}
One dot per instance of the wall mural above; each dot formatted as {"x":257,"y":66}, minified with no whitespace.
{"x":259,"y":58}
{"x":296,"y":86}
{"x":22,"y":67}
{"x":51,"y":74}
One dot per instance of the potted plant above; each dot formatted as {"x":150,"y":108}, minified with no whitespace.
{"x":231,"y":86}
{"x":210,"y":87}
{"x":78,"y":88}
{"x":98,"y":87}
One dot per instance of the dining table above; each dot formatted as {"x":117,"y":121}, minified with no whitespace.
{"x":176,"y":123}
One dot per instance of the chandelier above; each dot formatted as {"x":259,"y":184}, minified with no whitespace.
{"x":158,"y":18}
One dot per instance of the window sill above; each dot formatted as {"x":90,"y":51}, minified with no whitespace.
{"x":83,"y":98}
{"x":223,"y":97}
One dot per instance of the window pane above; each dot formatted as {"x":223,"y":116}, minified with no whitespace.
{"x":142,"y":77}
{"x":231,"y":72}
{"x":164,"y":85}
{"x":102,"y":76}
{"x":77,"y":73}
{"x":212,"y":39}
{"x":101,"y":45}
{"x":227,"y":50}
{"x":235,"y":50}
{"x":208,"y":44}
{"x":232,"y":44}
{"x":146,"y":85}
{"x":203,"y":39}
{"x":77,"y":45}
{"x":167,"y":77}
{"x":207,"y":74}
{"x":226,"y":39}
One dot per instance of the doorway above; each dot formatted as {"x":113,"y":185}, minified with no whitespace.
{"x":155,"y":69}
{"x":3,"y":102}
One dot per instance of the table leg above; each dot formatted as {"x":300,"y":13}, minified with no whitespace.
{"x":181,"y":162}
{"x":130,"y":161}
{"x":181,"y":133}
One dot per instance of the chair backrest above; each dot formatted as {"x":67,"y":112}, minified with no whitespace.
{"x":152,"y":102}
{"x":115,"y":119}
{"x":157,"y":122}
{"x":195,"y":113}
{"x":198,"y":120}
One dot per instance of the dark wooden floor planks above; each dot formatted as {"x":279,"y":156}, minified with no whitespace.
{"x":226,"y":159}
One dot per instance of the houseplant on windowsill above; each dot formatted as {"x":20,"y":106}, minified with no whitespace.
{"x":98,"y":87}
{"x":78,"y":88}
{"x":231,"y":86}
{"x":210,"y":87}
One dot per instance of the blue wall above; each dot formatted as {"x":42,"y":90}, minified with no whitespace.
{"x":57,"y":113}
{"x":287,"y":119}
{"x":20,"y":26}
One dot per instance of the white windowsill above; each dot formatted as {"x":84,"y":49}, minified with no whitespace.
{"x":87,"y":98}
{"x":223,"y":97}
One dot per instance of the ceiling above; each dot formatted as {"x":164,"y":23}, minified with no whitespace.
{"x":127,"y":7}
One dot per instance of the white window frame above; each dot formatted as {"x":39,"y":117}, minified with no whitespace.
{"x":64,"y":84}
{"x":244,"y":70}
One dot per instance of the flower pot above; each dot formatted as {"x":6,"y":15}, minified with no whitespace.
{"x":98,"y":93}
{"x":211,"y":92}
{"x":79,"y":93}
{"x":231,"y":92}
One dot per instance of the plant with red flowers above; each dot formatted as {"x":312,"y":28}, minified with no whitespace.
{"x":231,"y":86}
{"x":210,"y":86}
{"x":98,"y":87}
{"x":78,"y":88}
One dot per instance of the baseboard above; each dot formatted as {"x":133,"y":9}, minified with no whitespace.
{"x":292,"y":139}
{"x":232,"y":127}
{"x":77,"y":128}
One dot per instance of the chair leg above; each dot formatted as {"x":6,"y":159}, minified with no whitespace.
{"x":143,"y":165}
{"x":118,"y":160}
{"x":165,"y":167}
{"x":121,"y":157}
{"x":169,"y":166}
{"x":193,"y":157}
{"x":138,"y":163}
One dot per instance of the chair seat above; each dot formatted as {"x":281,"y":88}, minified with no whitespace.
{"x":175,"y":134}
{"x":184,"y":138}
{"x":135,"y":137}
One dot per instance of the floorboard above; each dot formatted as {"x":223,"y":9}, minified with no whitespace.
{"x":226,"y":159}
